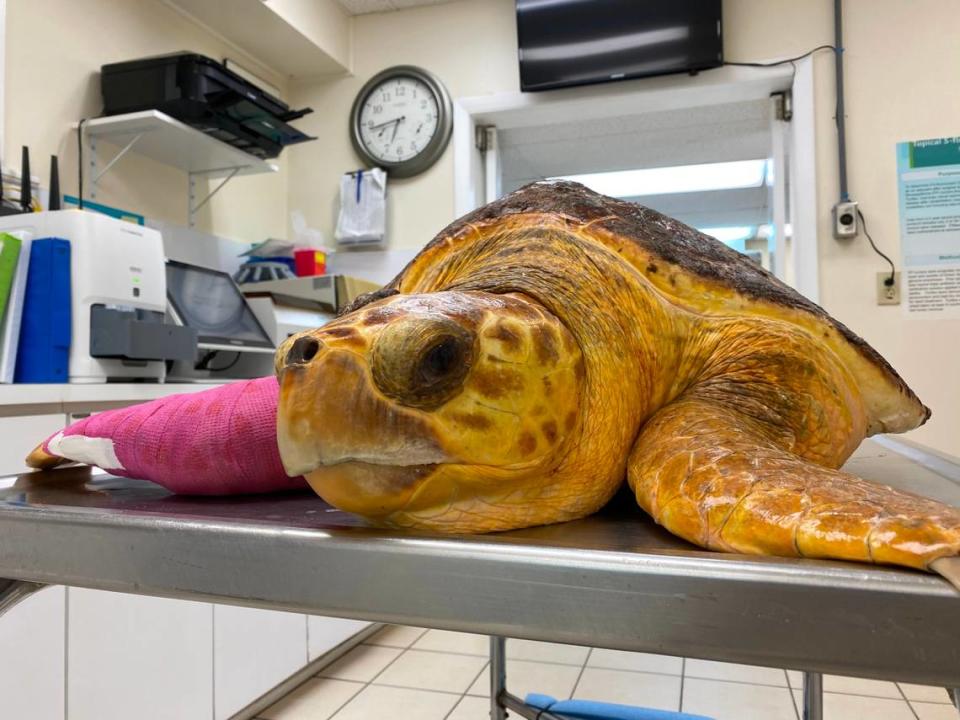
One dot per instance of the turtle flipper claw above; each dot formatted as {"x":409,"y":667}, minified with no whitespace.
{"x":40,"y":459}
{"x":949,"y":568}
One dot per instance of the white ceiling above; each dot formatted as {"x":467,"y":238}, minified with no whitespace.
{"x":362,"y":7}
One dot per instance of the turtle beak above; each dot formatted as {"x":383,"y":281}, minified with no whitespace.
{"x":330,"y":413}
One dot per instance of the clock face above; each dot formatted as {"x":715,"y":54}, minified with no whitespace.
{"x":398,"y":118}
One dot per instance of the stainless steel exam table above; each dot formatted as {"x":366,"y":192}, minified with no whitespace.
{"x":613,"y":580}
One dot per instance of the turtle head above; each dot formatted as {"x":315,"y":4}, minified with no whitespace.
{"x":430,"y":410}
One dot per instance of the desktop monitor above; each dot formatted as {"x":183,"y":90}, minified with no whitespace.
{"x":210,"y":302}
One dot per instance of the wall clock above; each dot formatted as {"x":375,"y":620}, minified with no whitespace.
{"x":401,"y":120}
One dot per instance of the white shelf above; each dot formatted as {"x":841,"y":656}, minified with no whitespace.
{"x":174,"y":143}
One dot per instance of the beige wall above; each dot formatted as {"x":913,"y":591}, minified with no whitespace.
{"x":901,"y":64}
{"x":54,"y":50}
{"x":470,"y":45}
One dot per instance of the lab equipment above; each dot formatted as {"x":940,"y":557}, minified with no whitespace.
{"x":262,"y":270}
{"x":118,"y":295}
{"x":210,"y":302}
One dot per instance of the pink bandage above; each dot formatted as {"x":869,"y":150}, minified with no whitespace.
{"x":216,"y":442}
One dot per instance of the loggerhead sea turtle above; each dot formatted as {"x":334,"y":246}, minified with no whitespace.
{"x":548,"y":346}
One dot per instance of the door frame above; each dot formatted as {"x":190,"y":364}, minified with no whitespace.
{"x":472,"y":116}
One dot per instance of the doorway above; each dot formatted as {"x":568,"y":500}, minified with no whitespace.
{"x":716,"y":151}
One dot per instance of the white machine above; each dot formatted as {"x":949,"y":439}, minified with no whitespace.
{"x":119,"y":295}
{"x":231,"y":340}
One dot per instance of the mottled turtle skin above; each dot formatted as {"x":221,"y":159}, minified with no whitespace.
{"x":547,"y":348}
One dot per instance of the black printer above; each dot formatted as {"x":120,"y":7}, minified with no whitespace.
{"x":204,"y":94}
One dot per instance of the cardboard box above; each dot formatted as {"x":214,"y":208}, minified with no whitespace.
{"x":328,"y":293}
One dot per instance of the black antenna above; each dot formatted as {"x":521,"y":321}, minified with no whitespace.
{"x":26,"y":198}
{"x":54,"y":202}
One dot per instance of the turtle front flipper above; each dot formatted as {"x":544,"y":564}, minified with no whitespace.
{"x":215,"y":442}
{"x":713,"y":475}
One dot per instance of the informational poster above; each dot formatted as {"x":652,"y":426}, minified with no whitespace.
{"x":929,"y":184}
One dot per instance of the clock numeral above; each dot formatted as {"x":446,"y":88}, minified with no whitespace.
{"x":377,"y":109}
{"x":414,"y":148}
{"x":386,"y":96}
{"x":423,"y":104}
{"x":401,"y":91}
{"x":370,"y":124}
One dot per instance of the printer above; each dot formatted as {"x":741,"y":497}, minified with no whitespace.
{"x":118,"y":295}
{"x":206,"y":95}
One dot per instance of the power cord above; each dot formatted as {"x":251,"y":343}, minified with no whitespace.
{"x":783,"y":62}
{"x":893,"y":269}
{"x":863,"y":221}
{"x":208,"y":357}
{"x":80,"y":163}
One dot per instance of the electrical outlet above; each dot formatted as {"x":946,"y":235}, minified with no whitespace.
{"x":888,"y":294}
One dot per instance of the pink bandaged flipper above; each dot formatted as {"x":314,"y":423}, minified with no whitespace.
{"x":215,"y":442}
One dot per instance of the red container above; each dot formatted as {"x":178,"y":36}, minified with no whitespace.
{"x":309,"y":262}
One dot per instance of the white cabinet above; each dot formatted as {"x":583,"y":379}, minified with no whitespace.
{"x":31,"y":657}
{"x":138,"y":657}
{"x":20,"y":435}
{"x":78,"y":654}
{"x":253,"y":650}
{"x":82,"y":654}
{"x":325,"y":633}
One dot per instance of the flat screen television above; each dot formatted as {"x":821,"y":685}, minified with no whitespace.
{"x":578,"y":42}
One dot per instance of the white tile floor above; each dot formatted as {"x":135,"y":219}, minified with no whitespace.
{"x":407,"y":673}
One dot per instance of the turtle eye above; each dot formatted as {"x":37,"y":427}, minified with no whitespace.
{"x":440,"y":360}
{"x":422,"y":363}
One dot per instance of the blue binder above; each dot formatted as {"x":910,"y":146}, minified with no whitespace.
{"x":44,"y":349}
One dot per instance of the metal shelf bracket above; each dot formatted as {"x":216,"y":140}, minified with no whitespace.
{"x":113,"y":161}
{"x":192,"y":205}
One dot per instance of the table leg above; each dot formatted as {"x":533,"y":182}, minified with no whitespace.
{"x":812,"y":696}
{"x":13,"y":591}
{"x":498,"y":676}
{"x":955,"y":696}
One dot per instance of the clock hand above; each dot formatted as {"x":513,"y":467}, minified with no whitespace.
{"x":388,"y":122}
